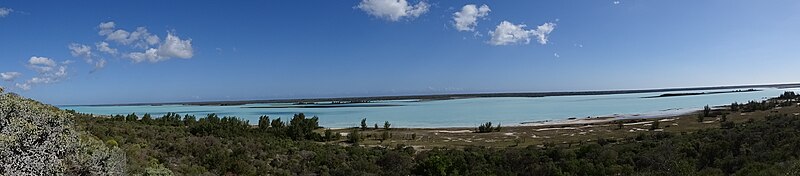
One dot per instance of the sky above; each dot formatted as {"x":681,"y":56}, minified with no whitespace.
{"x":102,"y":52}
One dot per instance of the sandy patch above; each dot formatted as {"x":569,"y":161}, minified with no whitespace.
{"x":454,"y":131}
{"x":667,"y":120}
{"x":638,"y":123}
{"x":564,"y":128}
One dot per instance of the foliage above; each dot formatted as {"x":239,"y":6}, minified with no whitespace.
{"x":231,"y":146}
{"x":354,"y":137}
{"x":487,"y":127}
{"x":655,"y":125}
{"x":364,"y":124}
{"x":768,"y":147}
{"x":385,"y":136}
{"x":38,"y":139}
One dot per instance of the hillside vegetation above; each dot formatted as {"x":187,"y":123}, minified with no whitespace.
{"x":38,"y":139}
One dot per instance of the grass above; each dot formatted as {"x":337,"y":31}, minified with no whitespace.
{"x":523,"y":136}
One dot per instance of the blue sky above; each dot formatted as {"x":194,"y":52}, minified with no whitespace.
{"x":230,"y":50}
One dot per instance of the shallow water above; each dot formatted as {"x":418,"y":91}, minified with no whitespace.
{"x":463,"y":112}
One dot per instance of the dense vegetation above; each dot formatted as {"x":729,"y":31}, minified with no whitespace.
{"x":227,"y":145}
{"x":38,"y":139}
{"x":487,"y":128}
{"x":212,"y":145}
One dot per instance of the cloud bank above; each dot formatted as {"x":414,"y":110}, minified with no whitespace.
{"x":150,"y":47}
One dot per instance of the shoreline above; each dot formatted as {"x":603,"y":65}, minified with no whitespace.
{"x":593,"y":120}
{"x":552,"y":123}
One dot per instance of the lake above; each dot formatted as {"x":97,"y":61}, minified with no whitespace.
{"x":468,"y":112}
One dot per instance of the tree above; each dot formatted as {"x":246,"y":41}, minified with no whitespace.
{"x":700,"y":117}
{"x":487,"y":127}
{"x":706,"y":111}
{"x":376,"y":126}
{"x":364,"y":124}
{"x":385,"y":136}
{"x":386,"y":125}
{"x":263,"y":122}
{"x":157,"y":169}
{"x":277,"y":124}
{"x":329,"y":136}
{"x":146,"y":118}
{"x":131,"y":117}
{"x":655,"y":125}
{"x":727,"y":125}
{"x":189,"y":120}
{"x":301,"y":128}
{"x":354,"y":137}
{"x":735,"y":107}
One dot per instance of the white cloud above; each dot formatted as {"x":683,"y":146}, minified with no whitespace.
{"x":106,"y":28}
{"x":5,"y":11}
{"x":101,"y":63}
{"x":104,"y":47}
{"x":173,"y":47}
{"x":10,"y":76}
{"x":616,"y":2}
{"x":556,"y":55}
{"x":542,"y":31}
{"x":41,"y":61}
{"x":84,"y":51}
{"x":140,"y":37}
{"x":119,"y":35}
{"x":49,"y":72}
{"x":467,"y":18}
{"x":79,"y":50}
{"x":24,"y":86}
{"x":41,"y":64}
{"x":155,"y":50}
{"x":508,"y":33}
{"x":149,"y":55}
{"x":393,"y":10}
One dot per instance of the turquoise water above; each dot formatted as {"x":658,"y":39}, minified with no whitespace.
{"x":462,"y":112}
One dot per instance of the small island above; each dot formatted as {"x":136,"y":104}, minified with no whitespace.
{"x":700,"y":93}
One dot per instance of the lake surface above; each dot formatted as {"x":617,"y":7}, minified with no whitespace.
{"x":461,"y":112}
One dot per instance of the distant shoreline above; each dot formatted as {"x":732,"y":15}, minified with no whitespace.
{"x":700,"y":93}
{"x":449,"y":96}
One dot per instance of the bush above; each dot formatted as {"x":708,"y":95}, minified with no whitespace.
{"x":38,"y":139}
{"x":354,"y":137}
{"x":487,"y":128}
{"x":655,"y":125}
